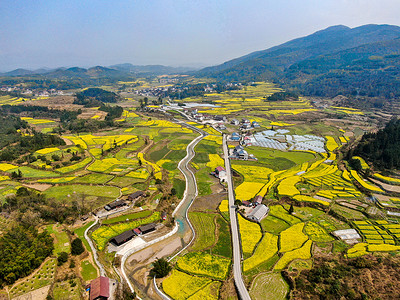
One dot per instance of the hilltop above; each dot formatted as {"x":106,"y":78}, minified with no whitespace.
{"x":337,"y":60}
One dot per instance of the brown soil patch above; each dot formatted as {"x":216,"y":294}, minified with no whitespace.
{"x":39,"y":294}
{"x":38,"y":186}
{"x":210,"y":202}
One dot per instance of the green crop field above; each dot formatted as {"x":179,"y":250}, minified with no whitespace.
{"x":89,"y":272}
{"x":34,"y":173}
{"x":273,"y":225}
{"x":123,"y":218}
{"x":223,"y":246}
{"x":61,"y":242}
{"x":61,"y":192}
{"x":68,"y":289}
{"x":280,"y":212}
{"x":202,"y":263}
{"x":95,"y":178}
{"x":269,"y":286}
{"x":205,"y":229}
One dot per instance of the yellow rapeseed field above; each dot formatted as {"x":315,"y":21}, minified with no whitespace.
{"x":253,"y":173}
{"x":305,"y":198}
{"x":5,"y":167}
{"x":203,"y":263}
{"x":250,"y":234}
{"x":331,"y":144}
{"x":357,"y":250}
{"x":287,"y":186}
{"x":387,"y":179}
{"x":292,"y":238}
{"x":47,"y":150}
{"x":215,"y":161}
{"x":265,"y":250}
{"x":180,"y":286}
{"x":247,"y":190}
{"x":363,"y":183}
{"x":302,"y":253}
{"x":156,"y":168}
{"x":224,"y":206}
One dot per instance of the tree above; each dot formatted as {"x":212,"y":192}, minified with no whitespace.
{"x":77,"y":247}
{"x":161,"y":268}
{"x":173,"y":191}
{"x":62,"y":258}
{"x":291,"y":209}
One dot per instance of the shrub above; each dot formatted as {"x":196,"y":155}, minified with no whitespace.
{"x":77,"y":247}
{"x":62,"y":258}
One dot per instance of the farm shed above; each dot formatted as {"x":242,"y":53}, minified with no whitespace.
{"x":99,"y":288}
{"x":258,"y":213}
{"x":135,"y":196}
{"x":114,"y":205}
{"x":147,"y":228}
{"x":123,"y":237}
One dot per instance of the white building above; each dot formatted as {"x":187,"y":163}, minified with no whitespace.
{"x":259,"y":212}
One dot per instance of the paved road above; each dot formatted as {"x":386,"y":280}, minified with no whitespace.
{"x":237,"y":256}
{"x":94,"y":250}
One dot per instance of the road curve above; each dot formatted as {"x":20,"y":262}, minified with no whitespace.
{"x":94,"y":251}
{"x":237,"y":256}
{"x":181,"y":211}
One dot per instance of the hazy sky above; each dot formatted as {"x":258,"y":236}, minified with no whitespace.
{"x":53,"y":33}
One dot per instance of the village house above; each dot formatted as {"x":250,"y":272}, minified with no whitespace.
{"x":135,"y":196}
{"x":114,"y":205}
{"x":246,"y":203}
{"x":147,"y":228}
{"x":240,"y":153}
{"x":99,"y":288}
{"x":255,"y":124}
{"x":123,"y":237}
{"x":257,"y":200}
{"x":258,"y":213}
{"x":220,"y":118}
{"x":235,"y":136}
{"x":234,"y":122}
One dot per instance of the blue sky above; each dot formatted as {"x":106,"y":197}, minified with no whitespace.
{"x":85,"y":33}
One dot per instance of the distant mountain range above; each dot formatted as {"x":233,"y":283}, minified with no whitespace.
{"x":338,"y":60}
{"x":99,"y":71}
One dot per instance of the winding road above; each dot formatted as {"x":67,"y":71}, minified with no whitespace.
{"x":94,"y":250}
{"x":237,"y":254}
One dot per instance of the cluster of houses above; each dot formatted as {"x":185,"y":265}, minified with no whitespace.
{"x":31,"y":92}
{"x":194,"y":114}
{"x":259,"y":210}
{"x":239,"y":153}
{"x":245,"y":124}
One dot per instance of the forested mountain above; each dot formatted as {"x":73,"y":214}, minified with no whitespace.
{"x":382,"y":148}
{"x":337,"y":60}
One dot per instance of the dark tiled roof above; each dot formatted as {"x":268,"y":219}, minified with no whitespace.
{"x":124,"y":237}
{"x":136,"y":194}
{"x":147,"y":227}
